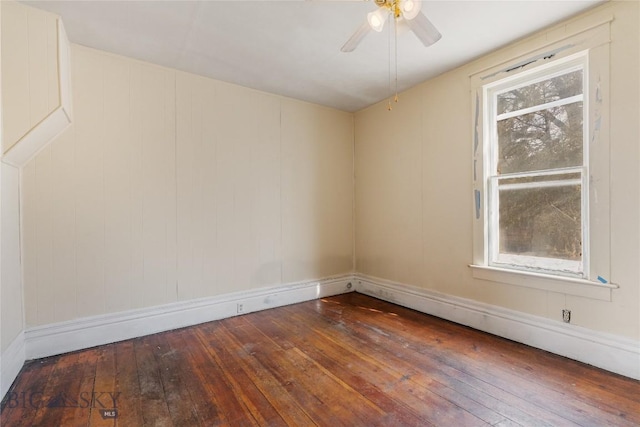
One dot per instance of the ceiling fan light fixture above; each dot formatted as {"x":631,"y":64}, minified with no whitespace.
{"x":410,"y":8}
{"x":406,"y":12}
{"x":376,"y":19}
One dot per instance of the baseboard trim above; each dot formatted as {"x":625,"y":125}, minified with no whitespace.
{"x":63,"y":337}
{"x":11,"y":362}
{"x":610,"y":352}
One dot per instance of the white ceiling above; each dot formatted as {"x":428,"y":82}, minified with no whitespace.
{"x":292,"y":48}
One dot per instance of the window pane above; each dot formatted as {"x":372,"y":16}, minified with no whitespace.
{"x":546,"y":139}
{"x":550,"y":90}
{"x":541,"y":222}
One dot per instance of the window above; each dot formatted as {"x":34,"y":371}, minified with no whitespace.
{"x":540,"y":144}
{"x":536,"y":169}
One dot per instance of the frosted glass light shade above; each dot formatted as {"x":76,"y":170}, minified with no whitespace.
{"x":376,"y":19}
{"x":410,"y":8}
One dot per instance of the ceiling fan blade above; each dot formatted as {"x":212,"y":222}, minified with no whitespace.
{"x":424,"y":29}
{"x":357,"y":37}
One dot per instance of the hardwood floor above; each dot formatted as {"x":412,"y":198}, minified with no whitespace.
{"x":348,"y":360}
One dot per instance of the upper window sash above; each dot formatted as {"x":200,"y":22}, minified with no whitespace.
{"x":492,"y":91}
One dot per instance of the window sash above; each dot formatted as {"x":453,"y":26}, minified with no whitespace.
{"x":492,"y":234}
{"x":528,"y":262}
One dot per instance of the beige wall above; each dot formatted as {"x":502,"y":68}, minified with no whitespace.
{"x":414,"y":198}
{"x":11,"y":316}
{"x":30,"y":41}
{"x":170,"y":186}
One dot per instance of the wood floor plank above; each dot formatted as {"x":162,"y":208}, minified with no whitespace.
{"x":129,"y":403}
{"x":410,"y":407}
{"x":277,"y":394}
{"x":301,"y":381}
{"x":333,"y":399}
{"x":229,"y":409}
{"x":177,"y":397}
{"x":527,"y":363}
{"x":258,"y":407}
{"x":534,"y":388}
{"x":155,"y":411}
{"x":446,"y":385}
{"x":203,"y":396}
{"x":448,"y":355}
{"x":348,"y":360}
{"x":27,"y":390}
{"x":56,"y":394}
{"x":104,"y":396}
{"x":381,"y":342}
{"x":545,"y":383}
{"x":83,"y":389}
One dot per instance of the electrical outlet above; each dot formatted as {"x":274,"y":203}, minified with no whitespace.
{"x":566,"y":316}
{"x":240,"y":308}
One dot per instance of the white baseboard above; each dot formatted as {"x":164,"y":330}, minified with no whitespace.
{"x":63,"y":337}
{"x":11,"y":361}
{"x":606,"y":351}
{"x":610,"y":352}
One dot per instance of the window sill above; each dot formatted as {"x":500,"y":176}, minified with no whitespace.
{"x":547,"y":282}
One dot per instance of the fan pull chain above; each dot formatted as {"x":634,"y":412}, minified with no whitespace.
{"x":395,"y":61}
{"x":395,"y":29}
{"x":389,"y":100}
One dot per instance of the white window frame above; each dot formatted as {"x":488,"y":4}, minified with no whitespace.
{"x":593,"y":42}
{"x":491,"y":92}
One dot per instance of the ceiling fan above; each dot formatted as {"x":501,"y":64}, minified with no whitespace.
{"x":407,"y":11}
